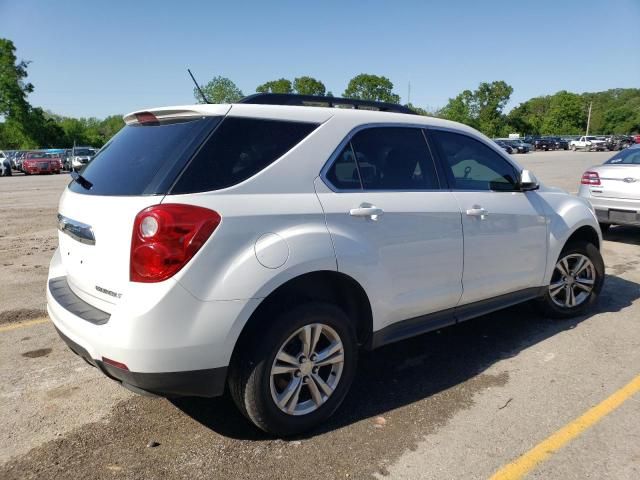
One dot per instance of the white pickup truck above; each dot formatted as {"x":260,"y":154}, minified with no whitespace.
{"x":588,"y":143}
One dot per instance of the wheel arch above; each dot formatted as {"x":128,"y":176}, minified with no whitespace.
{"x":585,"y":233}
{"x":324,"y":286}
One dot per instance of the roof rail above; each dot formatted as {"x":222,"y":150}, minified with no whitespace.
{"x":322,"y":101}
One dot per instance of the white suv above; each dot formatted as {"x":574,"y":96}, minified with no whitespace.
{"x":256,"y":247}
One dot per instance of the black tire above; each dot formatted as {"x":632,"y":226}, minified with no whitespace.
{"x":550,"y":308}
{"x":604,"y":227}
{"x":250,"y":371}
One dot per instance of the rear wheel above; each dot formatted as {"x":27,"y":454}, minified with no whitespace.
{"x":576,"y":281}
{"x":294,"y":376}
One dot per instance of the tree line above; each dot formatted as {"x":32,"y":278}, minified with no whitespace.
{"x":615,"y":111}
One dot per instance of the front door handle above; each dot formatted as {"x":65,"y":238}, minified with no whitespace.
{"x":477,"y":211}
{"x":366,"y":210}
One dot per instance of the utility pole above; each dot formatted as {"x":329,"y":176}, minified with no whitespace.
{"x":588,"y":119}
{"x":409,"y":92}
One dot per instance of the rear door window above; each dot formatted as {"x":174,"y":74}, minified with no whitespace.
{"x":237,"y":150}
{"x":144,"y":159}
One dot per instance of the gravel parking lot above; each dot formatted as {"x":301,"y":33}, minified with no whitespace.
{"x":458,"y":403}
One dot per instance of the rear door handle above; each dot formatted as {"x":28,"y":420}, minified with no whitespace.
{"x":477,"y":211}
{"x":366,"y":210}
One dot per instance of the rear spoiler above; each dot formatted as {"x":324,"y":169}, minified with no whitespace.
{"x":171,"y":113}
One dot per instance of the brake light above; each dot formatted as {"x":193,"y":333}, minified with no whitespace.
{"x":590,"y":178}
{"x":146,"y":117}
{"x":165,"y":237}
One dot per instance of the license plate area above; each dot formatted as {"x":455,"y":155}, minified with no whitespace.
{"x":623,"y":216}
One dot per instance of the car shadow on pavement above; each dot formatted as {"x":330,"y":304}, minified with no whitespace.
{"x":405,"y":372}
{"x":623,"y":234}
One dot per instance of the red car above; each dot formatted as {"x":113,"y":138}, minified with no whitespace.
{"x":40,"y":162}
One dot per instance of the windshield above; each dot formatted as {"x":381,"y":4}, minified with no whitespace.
{"x":36,"y":155}
{"x":83,"y":152}
{"x":144,"y":159}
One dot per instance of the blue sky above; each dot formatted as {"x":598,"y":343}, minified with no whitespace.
{"x":99,"y":58}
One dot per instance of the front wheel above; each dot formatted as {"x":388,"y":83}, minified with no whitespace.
{"x":576,"y":281}
{"x":292,"y":377}
{"x":573,"y":148}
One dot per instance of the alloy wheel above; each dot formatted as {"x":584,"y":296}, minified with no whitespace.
{"x":572,"y":281}
{"x":307,"y":369}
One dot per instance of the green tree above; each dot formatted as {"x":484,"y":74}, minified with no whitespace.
{"x":481,"y":108}
{"x":371,"y":87}
{"x":566,"y":115}
{"x":13,"y":87}
{"x":459,"y":109}
{"x":282,"y":85}
{"x":219,"y":90}
{"x":418,"y":110}
{"x":490,"y":101}
{"x":308,"y":86}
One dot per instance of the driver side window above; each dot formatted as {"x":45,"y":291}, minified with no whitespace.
{"x":471,"y":165}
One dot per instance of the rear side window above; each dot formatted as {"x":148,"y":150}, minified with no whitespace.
{"x":237,"y":150}
{"x":343,"y":174}
{"x":144,"y":159}
{"x":388,"y":158}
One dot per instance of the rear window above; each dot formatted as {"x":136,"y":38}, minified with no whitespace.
{"x":237,"y":150}
{"x":145,"y":159}
{"x":629,"y":156}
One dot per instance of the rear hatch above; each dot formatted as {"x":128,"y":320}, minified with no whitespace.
{"x":618,"y":181}
{"x":134,"y":170}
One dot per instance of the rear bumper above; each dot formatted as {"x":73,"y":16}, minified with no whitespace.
{"x":196,"y":383}
{"x":171,"y":342}
{"x":603,"y":207}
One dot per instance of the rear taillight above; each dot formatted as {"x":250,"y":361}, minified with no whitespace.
{"x":165,"y":237}
{"x":590,"y":178}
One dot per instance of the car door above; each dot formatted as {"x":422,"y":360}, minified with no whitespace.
{"x":394,"y":230}
{"x":505,"y":229}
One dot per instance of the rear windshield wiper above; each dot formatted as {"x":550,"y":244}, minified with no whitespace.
{"x":80,"y":180}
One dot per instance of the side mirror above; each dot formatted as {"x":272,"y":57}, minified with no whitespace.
{"x":528,"y":181}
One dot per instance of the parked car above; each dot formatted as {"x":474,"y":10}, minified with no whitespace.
{"x":40,"y":162}
{"x":80,"y":156}
{"x":518,"y":146}
{"x":542,"y":143}
{"x":257,"y":247}
{"x":505,"y":146}
{"x":558,"y":143}
{"x":619,"y":142}
{"x":5,"y":165}
{"x":588,"y":143}
{"x":17,"y":160}
{"x":67,"y":157}
{"x":613,"y":189}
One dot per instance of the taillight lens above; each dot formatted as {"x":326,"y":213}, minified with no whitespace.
{"x":165,"y":237}
{"x":590,"y":178}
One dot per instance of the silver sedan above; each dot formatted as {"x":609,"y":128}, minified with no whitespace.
{"x":613,"y":189}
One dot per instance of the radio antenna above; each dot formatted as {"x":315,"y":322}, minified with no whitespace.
{"x":206,"y":100}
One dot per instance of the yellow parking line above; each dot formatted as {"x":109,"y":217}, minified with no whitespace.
{"x":527,"y":462}
{"x":26,"y":323}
